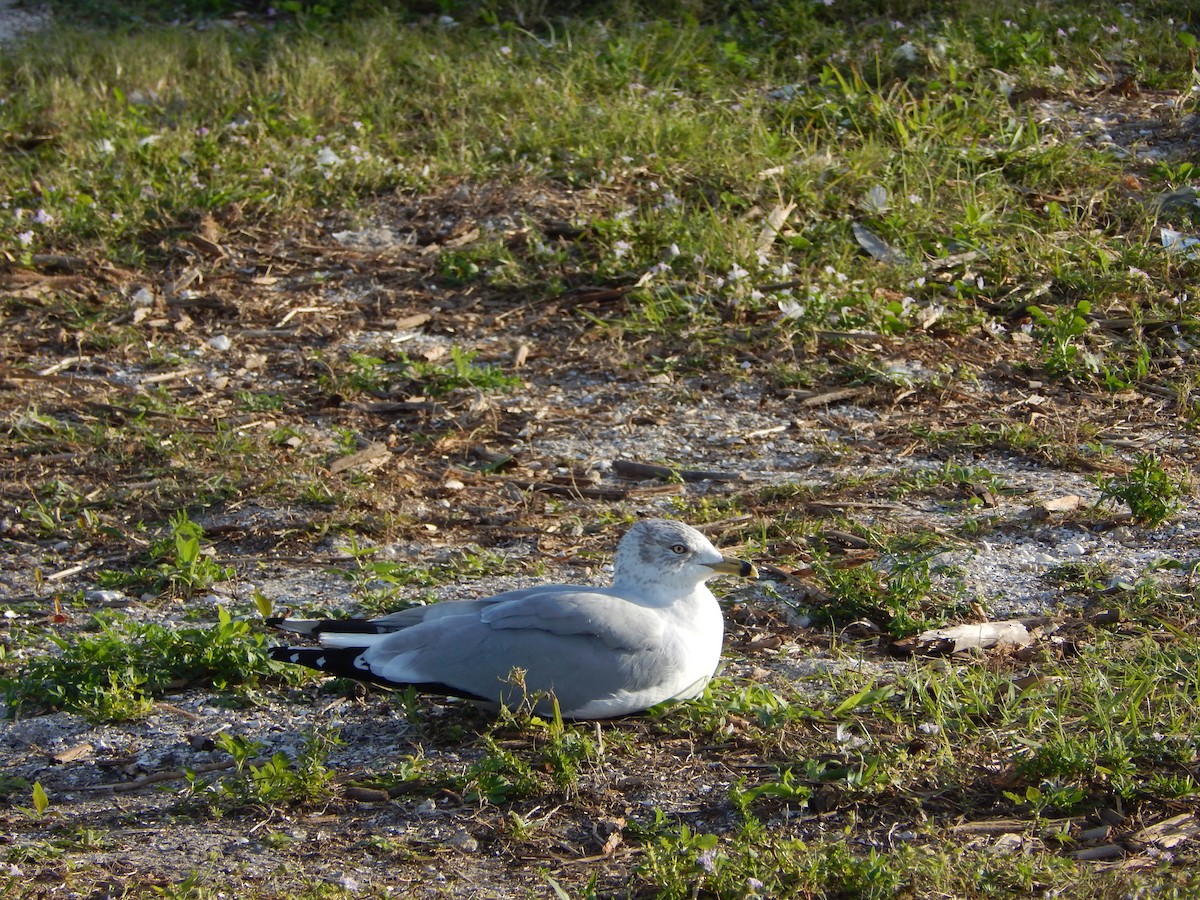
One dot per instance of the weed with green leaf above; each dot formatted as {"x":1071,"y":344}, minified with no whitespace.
{"x":115,"y":673}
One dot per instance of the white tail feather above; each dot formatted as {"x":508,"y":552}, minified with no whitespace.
{"x":361,"y":641}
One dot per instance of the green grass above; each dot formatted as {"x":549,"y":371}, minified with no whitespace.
{"x":1150,"y":491}
{"x":1018,"y":259}
{"x":116,"y":672}
{"x":423,"y":102}
{"x":269,"y":783}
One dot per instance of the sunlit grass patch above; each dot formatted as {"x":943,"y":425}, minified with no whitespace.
{"x":116,"y":673}
{"x":945,"y":211}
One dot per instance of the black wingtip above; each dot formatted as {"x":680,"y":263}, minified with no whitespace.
{"x":346,"y":662}
{"x":331,"y":626}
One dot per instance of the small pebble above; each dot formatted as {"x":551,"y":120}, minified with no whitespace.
{"x":220,"y":342}
{"x":104,"y":597}
{"x":464,"y":842}
{"x":1073,"y":548}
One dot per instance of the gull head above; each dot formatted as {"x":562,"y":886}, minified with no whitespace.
{"x":660,"y":557}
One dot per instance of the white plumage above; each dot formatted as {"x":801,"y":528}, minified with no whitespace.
{"x":655,"y":635}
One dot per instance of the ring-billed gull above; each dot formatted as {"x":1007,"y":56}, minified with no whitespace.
{"x":655,"y":635}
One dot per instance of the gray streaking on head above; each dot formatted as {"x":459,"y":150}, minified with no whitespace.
{"x":655,"y":635}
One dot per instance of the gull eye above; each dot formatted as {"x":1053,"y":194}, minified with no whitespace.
{"x":679,"y":548}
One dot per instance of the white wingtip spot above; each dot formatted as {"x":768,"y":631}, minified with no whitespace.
{"x":320,"y":662}
{"x":295,"y":657}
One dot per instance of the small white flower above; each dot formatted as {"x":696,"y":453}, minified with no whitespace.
{"x":26,"y":238}
{"x":326,"y":157}
{"x":42,"y":217}
{"x":994,"y":327}
{"x":621,"y":249}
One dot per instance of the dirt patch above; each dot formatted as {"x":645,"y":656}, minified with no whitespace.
{"x":18,"y":21}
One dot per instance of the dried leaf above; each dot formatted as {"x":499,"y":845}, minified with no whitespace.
{"x":79,"y":751}
{"x":371,"y":457}
{"x":774,"y":224}
{"x":1064,"y":504}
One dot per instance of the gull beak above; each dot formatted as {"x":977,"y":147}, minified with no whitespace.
{"x":731,"y":566}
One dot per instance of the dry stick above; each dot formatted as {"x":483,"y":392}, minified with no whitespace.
{"x":569,"y":490}
{"x":158,"y":777}
{"x":646,"y":470}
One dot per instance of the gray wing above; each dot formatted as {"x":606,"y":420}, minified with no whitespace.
{"x":415,"y":615}
{"x":619,"y":624}
{"x":581,"y":645}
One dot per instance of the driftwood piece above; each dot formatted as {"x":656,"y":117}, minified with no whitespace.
{"x":1169,"y":832}
{"x":1011,"y":635}
{"x":1101,"y":853}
